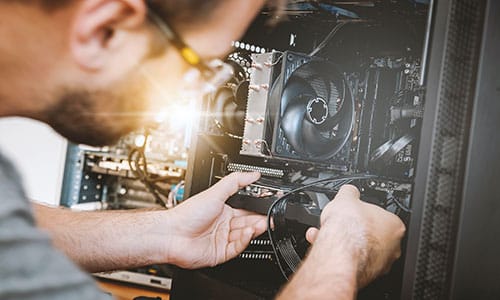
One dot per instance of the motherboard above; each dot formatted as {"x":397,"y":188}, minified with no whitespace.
{"x":332,"y":95}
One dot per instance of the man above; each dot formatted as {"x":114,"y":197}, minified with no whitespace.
{"x":91,"y":69}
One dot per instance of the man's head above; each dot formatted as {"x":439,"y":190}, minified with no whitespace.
{"x":93,"y":69}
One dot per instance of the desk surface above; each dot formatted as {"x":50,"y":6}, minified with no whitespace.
{"x":122,"y":291}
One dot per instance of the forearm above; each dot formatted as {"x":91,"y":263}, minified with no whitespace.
{"x":328,"y":272}
{"x":100,"y":241}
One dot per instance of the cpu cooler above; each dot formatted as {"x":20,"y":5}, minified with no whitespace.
{"x":309,"y":109}
{"x":315,"y":111}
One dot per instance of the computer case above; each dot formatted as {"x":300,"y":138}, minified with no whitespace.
{"x":452,"y":243}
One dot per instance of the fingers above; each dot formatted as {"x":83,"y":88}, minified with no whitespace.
{"x":243,"y":218}
{"x":238,"y":241}
{"x":260,"y":227}
{"x":246,"y":221}
{"x":242,"y":212}
{"x":346,"y":201}
{"x":248,"y":228}
{"x":239,"y":234}
{"x":229,"y":185}
{"x":242,"y":230}
{"x":312,"y":234}
{"x":347,"y":192}
{"x":256,"y":222}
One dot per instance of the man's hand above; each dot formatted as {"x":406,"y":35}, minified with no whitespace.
{"x":370,"y":231}
{"x":357,"y":242}
{"x":204,"y":231}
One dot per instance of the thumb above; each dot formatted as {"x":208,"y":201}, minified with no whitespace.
{"x":229,"y":185}
{"x":347,"y":192}
{"x":312,"y":234}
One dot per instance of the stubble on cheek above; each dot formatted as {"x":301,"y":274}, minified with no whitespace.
{"x":99,"y":118}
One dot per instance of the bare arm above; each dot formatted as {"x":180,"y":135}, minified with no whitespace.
{"x":203,"y":231}
{"x":99,"y":241}
{"x":356,"y":243}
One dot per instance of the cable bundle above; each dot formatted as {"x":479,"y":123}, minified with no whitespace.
{"x":282,"y":239}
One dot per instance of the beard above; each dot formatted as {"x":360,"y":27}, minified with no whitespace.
{"x":100,"y":117}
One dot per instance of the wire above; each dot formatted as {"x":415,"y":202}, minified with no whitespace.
{"x":327,"y":39}
{"x":400,"y":205}
{"x":225,"y":132}
{"x":283,"y":247}
{"x":138,"y":167}
{"x":275,"y":60}
{"x":274,"y":245}
{"x":342,"y":179}
{"x":387,"y":151}
{"x":172,"y":196}
{"x":138,"y":164}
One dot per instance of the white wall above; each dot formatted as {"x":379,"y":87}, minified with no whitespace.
{"x":38,"y":153}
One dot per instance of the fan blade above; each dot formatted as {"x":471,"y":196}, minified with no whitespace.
{"x":242,"y":95}
{"x":230,"y":116}
{"x":291,"y":124}
{"x":332,"y":121}
{"x":221,"y":98}
{"x":317,"y":79}
{"x":318,"y":145}
{"x":344,"y":117}
{"x":294,"y":88}
{"x":344,"y":114}
{"x":225,"y":110}
{"x":321,"y":85}
{"x":322,"y":77}
{"x":325,"y":148}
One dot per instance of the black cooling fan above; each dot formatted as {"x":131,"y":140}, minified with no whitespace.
{"x":228,"y":103}
{"x":316,"y":114}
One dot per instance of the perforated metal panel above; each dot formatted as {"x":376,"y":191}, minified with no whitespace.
{"x":447,"y":158}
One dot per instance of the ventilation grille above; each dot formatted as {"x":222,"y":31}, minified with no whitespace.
{"x":444,"y":186}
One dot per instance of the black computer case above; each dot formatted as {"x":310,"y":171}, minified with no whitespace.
{"x":453,"y":237}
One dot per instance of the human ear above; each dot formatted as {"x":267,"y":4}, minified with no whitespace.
{"x":94,"y":34}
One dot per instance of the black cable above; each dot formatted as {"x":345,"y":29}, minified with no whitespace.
{"x":327,"y":39}
{"x":283,"y":248}
{"x":387,"y":151}
{"x":138,"y":164}
{"x":140,"y":175}
{"x":400,"y":205}
{"x":274,"y":245}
